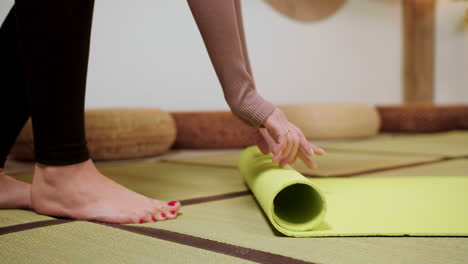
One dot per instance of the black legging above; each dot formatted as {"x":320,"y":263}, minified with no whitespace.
{"x":44,"y":48}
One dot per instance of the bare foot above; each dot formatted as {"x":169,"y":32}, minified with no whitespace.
{"x":14,"y":193}
{"x":81,"y":192}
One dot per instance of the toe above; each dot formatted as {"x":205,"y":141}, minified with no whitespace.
{"x":166,"y":210}
{"x":148,"y":218}
{"x":171,"y":208}
{"x":157,"y":211}
{"x":161,"y":216}
{"x":171,"y":214}
{"x":153,"y":218}
{"x":170,"y":211}
{"x":174,"y":205}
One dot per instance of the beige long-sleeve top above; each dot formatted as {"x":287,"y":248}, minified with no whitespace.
{"x":220,"y":24}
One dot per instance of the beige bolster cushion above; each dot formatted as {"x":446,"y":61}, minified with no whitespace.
{"x":333,"y":121}
{"x":114,"y":134}
{"x":212,"y":130}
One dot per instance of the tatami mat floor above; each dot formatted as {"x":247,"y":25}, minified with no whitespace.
{"x":220,"y":221}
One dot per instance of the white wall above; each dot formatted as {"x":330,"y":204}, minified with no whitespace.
{"x":152,"y":55}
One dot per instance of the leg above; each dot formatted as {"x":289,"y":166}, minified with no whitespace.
{"x":54,"y":39}
{"x":14,"y":102}
{"x":15,"y":109}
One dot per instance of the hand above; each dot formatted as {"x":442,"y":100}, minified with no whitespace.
{"x":285,"y":146}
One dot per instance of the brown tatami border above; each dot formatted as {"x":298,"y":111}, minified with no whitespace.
{"x":188,"y":240}
{"x":211,"y":245}
{"x":214,"y":197}
{"x":32,"y":225}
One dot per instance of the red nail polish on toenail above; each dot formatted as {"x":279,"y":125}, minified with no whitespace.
{"x":172,"y":212}
{"x":163,"y":215}
{"x":153,"y":218}
{"x":142,"y":221}
{"x":172,"y":203}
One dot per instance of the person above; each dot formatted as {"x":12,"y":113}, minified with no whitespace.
{"x":44,"y":46}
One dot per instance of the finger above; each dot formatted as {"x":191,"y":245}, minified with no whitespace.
{"x":307,"y":161}
{"x":304,"y":144}
{"x":295,"y":157}
{"x":275,"y":133}
{"x":282,"y":142}
{"x":295,"y":146}
{"x":285,"y":154}
{"x":263,"y":147}
{"x":280,"y":138}
{"x":317,"y":150}
{"x":269,"y":140}
{"x":281,"y":148}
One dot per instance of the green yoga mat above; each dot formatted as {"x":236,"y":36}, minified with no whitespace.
{"x":296,"y":206}
{"x":239,"y":221}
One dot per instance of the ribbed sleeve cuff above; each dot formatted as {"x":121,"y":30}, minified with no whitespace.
{"x":256,"y":110}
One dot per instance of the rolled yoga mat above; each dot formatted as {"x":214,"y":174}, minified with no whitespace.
{"x":292,"y":203}
{"x":354,"y":206}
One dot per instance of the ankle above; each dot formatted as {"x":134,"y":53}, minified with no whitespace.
{"x":57,"y":172}
{"x":55,"y":168}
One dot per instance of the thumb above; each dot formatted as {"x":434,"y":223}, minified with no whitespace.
{"x":277,"y":135}
{"x":261,"y":143}
{"x":280,"y":143}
